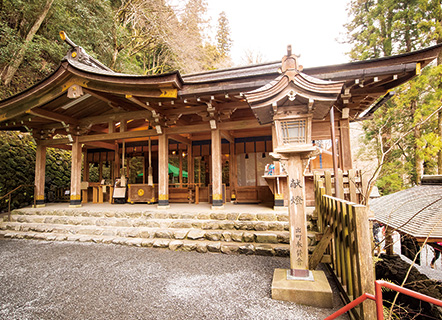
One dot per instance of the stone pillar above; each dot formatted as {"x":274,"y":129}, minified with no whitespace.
{"x":40,"y":169}
{"x":217,"y":187}
{"x":76,"y":174}
{"x":163,"y":172}
{"x":297,"y":218}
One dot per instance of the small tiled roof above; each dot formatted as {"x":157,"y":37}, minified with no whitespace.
{"x":416,"y":211}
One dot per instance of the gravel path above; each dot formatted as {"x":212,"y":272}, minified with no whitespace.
{"x":59,"y":280}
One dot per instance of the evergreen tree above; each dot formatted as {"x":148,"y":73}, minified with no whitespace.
{"x":385,"y":27}
{"x":223,"y":41}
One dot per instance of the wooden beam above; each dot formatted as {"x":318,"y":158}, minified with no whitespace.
{"x":188,"y":129}
{"x":53,"y":116}
{"x":118,"y":135}
{"x":226,"y":135}
{"x":103,"y":97}
{"x":140,"y":103}
{"x":116,"y":117}
{"x":181,"y":139}
{"x":320,"y":248}
{"x":238,"y":125}
{"x":100,"y":144}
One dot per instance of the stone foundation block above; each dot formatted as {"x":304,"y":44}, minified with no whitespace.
{"x":214,"y":235}
{"x":214,"y":247}
{"x":196,"y":234}
{"x":201,"y":247}
{"x":175,"y":245}
{"x":264,"y":250}
{"x":266,"y":238}
{"x":180,"y":234}
{"x":247,"y":249}
{"x":315,"y":293}
{"x":229,"y":249}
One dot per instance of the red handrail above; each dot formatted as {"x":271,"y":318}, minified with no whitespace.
{"x":378,"y":299}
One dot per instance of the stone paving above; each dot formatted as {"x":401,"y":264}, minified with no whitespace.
{"x":72,"y":280}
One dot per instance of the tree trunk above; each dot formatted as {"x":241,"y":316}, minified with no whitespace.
{"x":419,"y":162}
{"x":12,"y":68}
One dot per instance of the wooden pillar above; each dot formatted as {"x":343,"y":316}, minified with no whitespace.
{"x":86,"y":167}
{"x":150,"y":173}
{"x":217,"y":192}
{"x":180,"y":175}
{"x":334,"y":152}
{"x":76,"y":174}
{"x":297,"y":218}
{"x":190,"y":165}
{"x":345,"y":155}
{"x":117,"y":163}
{"x":389,"y":243}
{"x":233,"y":171}
{"x":84,"y":195}
{"x":40,"y":169}
{"x":163,"y":172}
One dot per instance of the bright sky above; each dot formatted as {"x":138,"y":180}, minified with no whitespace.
{"x":267,"y":27}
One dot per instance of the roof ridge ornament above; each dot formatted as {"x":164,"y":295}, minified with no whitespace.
{"x":290,"y":61}
{"x":77,"y":53}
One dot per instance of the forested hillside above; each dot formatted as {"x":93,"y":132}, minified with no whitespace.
{"x":131,"y":36}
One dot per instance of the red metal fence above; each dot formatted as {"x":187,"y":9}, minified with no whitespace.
{"x":378,"y":299}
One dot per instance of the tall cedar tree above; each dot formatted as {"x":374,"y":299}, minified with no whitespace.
{"x":381,"y":28}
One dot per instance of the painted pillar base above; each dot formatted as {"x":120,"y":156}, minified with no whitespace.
{"x":40,"y":203}
{"x":163,"y":204}
{"x":316,"y":293}
{"x":75,"y":203}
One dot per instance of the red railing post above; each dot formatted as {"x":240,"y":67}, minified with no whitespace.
{"x":378,"y":300}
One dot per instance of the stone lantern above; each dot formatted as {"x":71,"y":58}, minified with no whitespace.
{"x":291,"y":103}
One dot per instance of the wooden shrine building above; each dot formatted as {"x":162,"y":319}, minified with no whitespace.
{"x":205,"y":137}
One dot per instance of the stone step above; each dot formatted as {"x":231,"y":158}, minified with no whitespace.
{"x":244,"y":236}
{"x":202,"y":246}
{"x":154,"y":223}
{"x":156,"y":214}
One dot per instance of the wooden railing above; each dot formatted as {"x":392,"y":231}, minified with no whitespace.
{"x":9,"y":197}
{"x":346,"y":236}
{"x":351,"y":184}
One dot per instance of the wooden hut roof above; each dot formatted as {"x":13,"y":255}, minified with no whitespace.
{"x":416,"y":211}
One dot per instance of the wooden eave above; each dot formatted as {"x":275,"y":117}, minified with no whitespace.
{"x":113,"y":96}
{"x":42,"y":104}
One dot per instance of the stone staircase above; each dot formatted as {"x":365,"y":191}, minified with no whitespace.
{"x":212,"y":231}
